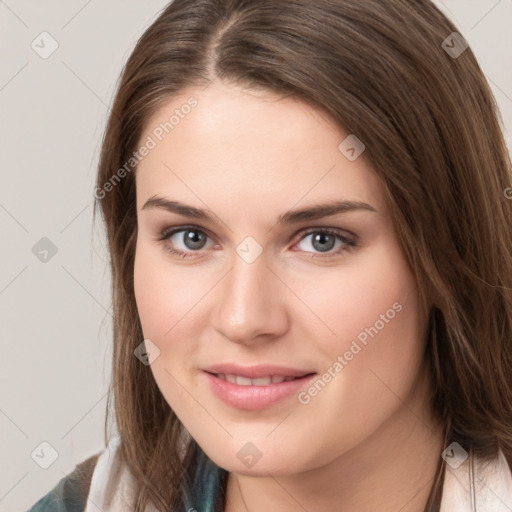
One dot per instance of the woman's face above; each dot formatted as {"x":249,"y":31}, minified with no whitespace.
{"x":249,"y":183}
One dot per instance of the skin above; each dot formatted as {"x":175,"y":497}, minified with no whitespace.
{"x":367,"y":441}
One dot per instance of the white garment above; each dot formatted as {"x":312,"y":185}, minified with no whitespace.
{"x":112,"y":487}
{"x":490,"y":489}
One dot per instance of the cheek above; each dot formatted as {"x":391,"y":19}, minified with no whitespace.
{"x":152,"y":295}
{"x":376,"y":354}
{"x":163,"y":295}
{"x":164,"y":302}
{"x":373,"y":297}
{"x":370,"y":327}
{"x":171,"y":301}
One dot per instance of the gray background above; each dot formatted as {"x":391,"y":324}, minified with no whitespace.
{"x":55,"y":319}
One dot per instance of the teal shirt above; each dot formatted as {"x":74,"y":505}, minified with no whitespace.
{"x":204,"y":492}
{"x":207,"y":487}
{"x":70,"y":494}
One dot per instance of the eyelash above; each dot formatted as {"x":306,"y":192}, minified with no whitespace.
{"x":166,"y":233}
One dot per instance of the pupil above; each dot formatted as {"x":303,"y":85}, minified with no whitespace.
{"x":321,"y":237}
{"x":194,"y":239}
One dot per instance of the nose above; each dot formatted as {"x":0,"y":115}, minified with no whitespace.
{"x":250,"y":302}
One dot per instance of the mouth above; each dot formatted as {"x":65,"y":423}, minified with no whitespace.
{"x":264,"y":370}
{"x":256,"y":393}
{"x":240,"y":380}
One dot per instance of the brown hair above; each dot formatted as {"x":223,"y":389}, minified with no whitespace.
{"x":432,"y":133}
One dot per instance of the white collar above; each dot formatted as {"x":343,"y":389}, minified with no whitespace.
{"x":112,"y":485}
{"x":476,"y":486}
{"x":489,"y":490}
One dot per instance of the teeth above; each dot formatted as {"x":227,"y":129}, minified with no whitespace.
{"x":261,"y":381}
{"x":243,"y":381}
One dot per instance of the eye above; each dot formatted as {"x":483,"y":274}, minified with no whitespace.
{"x":324,"y":240}
{"x":193,"y":240}
{"x":190,"y":238}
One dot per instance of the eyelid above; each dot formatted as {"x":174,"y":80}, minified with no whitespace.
{"x":338,"y":231}
{"x":168,"y":231}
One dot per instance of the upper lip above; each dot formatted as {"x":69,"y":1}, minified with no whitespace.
{"x":256,"y":371}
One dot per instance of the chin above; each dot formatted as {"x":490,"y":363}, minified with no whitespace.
{"x":254,"y":459}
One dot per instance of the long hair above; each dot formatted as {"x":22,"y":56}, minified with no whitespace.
{"x":383,"y":71}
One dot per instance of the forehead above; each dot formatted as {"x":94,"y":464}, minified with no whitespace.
{"x":235,"y":114}
{"x":250,"y":147}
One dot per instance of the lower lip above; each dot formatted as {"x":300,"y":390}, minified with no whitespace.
{"x":255,"y":397}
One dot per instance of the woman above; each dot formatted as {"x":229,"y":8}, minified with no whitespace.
{"x":310,"y":235}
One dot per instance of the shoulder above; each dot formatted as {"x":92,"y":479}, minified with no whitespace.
{"x":70,"y":494}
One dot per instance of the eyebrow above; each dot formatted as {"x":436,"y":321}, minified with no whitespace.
{"x":314,"y":212}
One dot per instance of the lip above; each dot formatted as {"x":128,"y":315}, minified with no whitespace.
{"x":256,"y":371}
{"x":254,"y":398}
